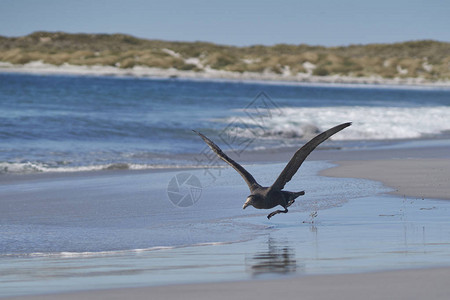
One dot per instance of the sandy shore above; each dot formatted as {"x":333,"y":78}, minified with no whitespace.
{"x":418,"y":178}
{"x":410,"y":284}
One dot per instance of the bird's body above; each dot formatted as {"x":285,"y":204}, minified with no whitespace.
{"x":266,"y":198}
{"x":269,"y":197}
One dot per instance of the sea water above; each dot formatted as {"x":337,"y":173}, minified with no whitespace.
{"x":81,"y":123}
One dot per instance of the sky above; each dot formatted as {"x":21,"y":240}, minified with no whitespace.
{"x":239,"y":23}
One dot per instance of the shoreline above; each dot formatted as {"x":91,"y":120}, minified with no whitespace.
{"x":416,"y":149}
{"x":38,"y":67}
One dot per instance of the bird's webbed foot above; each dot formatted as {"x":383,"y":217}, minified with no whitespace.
{"x":277,"y":212}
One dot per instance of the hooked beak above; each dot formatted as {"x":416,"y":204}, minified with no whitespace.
{"x":247,"y":203}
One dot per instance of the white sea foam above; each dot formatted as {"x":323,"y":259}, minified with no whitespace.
{"x":68,"y":254}
{"x":35,"y":167}
{"x":369,"y":123}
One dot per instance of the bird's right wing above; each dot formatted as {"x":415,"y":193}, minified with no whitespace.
{"x":301,"y":154}
{"x":251,"y":182}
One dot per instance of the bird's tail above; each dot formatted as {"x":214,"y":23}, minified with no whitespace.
{"x":296,"y":194}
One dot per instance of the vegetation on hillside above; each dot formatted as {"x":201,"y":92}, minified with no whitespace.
{"x":426,"y":59}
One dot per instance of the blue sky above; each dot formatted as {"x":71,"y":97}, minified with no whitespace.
{"x":318,"y":22}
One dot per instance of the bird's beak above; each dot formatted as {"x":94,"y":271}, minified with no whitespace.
{"x":247,"y":203}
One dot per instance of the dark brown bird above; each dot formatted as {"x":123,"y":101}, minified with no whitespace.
{"x":268,"y":197}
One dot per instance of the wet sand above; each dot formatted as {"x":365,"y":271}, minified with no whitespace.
{"x":411,"y":284}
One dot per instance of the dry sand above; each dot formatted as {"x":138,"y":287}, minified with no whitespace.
{"x":419,"y":178}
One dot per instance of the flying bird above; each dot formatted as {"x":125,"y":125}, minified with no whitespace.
{"x":268,"y":197}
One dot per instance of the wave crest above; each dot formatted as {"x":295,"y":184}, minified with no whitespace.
{"x":35,"y":167}
{"x":369,"y":123}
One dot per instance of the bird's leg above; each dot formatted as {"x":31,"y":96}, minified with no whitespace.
{"x":277,"y":212}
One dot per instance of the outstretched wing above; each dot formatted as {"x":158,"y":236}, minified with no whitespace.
{"x":251,"y":182}
{"x":301,"y":154}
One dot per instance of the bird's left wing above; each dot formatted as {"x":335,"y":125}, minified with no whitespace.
{"x":251,"y":182}
{"x":300,"y":156}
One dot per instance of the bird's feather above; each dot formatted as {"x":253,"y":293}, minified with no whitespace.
{"x":300,"y":156}
{"x":251,"y":182}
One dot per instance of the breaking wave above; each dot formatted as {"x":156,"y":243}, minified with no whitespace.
{"x":87,"y":254}
{"x":35,"y":167}
{"x":369,"y":123}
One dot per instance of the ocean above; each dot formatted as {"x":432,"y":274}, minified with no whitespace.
{"x":54,"y":123}
{"x":104,"y":185}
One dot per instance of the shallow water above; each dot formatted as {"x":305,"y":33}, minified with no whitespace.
{"x":125,"y":210}
{"x":117,"y":230}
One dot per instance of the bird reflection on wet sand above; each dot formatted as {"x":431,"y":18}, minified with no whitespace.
{"x":278,"y":259}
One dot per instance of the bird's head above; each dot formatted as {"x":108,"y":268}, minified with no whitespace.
{"x":250,"y":201}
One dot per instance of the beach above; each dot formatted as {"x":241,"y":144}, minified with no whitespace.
{"x":105,"y":191}
{"x":398,"y":247}
{"x":415,"y":284}
{"x":183,"y":150}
